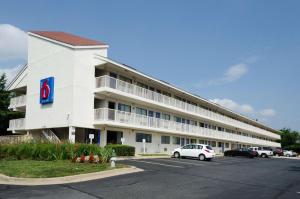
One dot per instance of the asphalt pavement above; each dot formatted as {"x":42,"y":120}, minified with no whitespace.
{"x":224,"y":177}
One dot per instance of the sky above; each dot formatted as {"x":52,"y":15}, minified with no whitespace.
{"x":243,"y":55}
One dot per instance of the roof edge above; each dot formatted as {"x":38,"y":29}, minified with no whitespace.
{"x":69,"y":45}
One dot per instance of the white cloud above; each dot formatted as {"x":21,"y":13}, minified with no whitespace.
{"x":245,"y":109}
{"x":10,"y":72}
{"x":13,"y":43}
{"x":268,"y":112}
{"x":235,"y":72}
{"x":232,"y":105}
{"x":232,"y":74}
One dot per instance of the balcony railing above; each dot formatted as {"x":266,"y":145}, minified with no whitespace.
{"x":141,"y":121}
{"x":16,"y":102}
{"x":16,"y":124}
{"x":106,"y":81}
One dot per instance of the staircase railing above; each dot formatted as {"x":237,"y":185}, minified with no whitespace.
{"x":50,"y":136}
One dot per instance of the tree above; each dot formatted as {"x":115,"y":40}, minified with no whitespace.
{"x":289,"y":137}
{"x":5,"y":114}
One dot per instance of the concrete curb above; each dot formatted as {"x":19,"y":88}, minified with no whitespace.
{"x":140,"y":157}
{"x":67,"y":179}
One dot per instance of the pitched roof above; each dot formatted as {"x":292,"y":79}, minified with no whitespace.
{"x":68,"y":38}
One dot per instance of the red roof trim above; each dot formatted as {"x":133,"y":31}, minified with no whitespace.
{"x":68,"y":38}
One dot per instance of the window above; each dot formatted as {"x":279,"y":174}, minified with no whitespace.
{"x":178,"y":119}
{"x":220,"y":129}
{"x":226,"y":145}
{"x":165,"y":139}
{"x":157,"y":115}
{"x":176,"y":140}
{"x":165,"y":116}
{"x":124,"y":107}
{"x":213,"y":143}
{"x":141,"y":111}
{"x":193,"y":141}
{"x":193,"y":122}
{"x":142,"y":85}
{"x":167,"y":94}
{"x":140,"y":136}
{"x":201,"y":124}
{"x":220,"y":144}
{"x":205,"y":125}
{"x":201,"y":141}
{"x":150,"y":113}
{"x":199,"y":147}
{"x":214,"y":127}
{"x":187,"y":147}
{"x":125,"y":79}
{"x":187,"y":140}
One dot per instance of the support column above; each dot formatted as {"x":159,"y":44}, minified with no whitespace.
{"x":103,"y":137}
{"x":72,"y":134}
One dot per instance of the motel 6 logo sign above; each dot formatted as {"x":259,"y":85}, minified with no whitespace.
{"x":47,"y":90}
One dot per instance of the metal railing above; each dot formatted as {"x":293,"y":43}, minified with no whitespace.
{"x":17,"y":124}
{"x":136,"y":120}
{"x":17,"y":102}
{"x":110,"y":82}
{"x":50,"y":136}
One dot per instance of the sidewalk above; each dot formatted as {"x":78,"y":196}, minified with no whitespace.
{"x":67,"y":179}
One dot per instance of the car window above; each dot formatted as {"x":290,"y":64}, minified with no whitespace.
{"x":259,"y":148}
{"x":187,"y":146}
{"x":199,"y":147}
{"x":208,"y":147}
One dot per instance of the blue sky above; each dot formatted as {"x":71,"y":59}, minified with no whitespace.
{"x":240,"y":54}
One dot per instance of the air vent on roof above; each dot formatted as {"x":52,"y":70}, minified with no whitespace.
{"x":128,"y":66}
{"x":165,"y":82}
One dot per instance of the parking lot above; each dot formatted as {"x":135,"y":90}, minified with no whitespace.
{"x":223,"y":177}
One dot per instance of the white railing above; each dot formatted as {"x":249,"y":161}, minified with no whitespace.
{"x":50,"y":136}
{"x":136,"y":120}
{"x":17,"y":124}
{"x":17,"y":102}
{"x":106,"y":81}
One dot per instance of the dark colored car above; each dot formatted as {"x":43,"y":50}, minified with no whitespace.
{"x":241,"y":152}
{"x":277,"y":151}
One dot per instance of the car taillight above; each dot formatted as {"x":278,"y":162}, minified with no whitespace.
{"x":207,"y":151}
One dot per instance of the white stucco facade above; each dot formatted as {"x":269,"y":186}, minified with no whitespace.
{"x":96,"y":95}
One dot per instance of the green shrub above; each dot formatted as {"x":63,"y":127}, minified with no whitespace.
{"x":50,"y":151}
{"x":122,"y":150}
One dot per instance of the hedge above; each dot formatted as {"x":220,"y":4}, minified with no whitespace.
{"x":50,"y":151}
{"x":122,"y":150}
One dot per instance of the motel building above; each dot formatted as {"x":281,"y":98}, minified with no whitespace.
{"x":71,"y":90}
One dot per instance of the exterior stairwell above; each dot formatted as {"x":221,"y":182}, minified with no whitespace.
{"x":50,"y":136}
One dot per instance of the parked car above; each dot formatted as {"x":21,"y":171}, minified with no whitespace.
{"x":277,"y":151}
{"x":289,"y":153}
{"x":262,"y":151}
{"x":200,"y":151}
{"x":241,"y":152}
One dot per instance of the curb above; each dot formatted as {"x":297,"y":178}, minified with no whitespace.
{"x":7,"y":180}
{"x":140,"y":157}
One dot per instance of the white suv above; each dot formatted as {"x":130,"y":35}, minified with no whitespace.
{"x":262,"y":151}
{"x":201,"y":151}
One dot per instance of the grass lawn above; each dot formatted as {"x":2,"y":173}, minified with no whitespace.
{"x":47,"y":169}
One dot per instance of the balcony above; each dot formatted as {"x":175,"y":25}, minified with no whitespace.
{"x":16,"y":124}
{"x":163,"y":100}
{"x":132,"y":120}
{"x":17,"y":103}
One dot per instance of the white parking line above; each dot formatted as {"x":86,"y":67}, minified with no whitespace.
{"x":156,"y":163}
{"x":182,"y":162}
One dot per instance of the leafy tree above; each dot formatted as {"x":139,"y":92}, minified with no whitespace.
{"x":5,"y":114}
{"x":289,"y":137}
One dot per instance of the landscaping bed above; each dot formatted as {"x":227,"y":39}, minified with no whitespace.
{"x":44,"y":160}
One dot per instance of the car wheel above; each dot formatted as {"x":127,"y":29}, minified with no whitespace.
{"x":176,"y":155}
{"x":264,"y":155}
{"x":288,"y":155}
{"x":201,"y":157}
{"x":276,"y":154}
